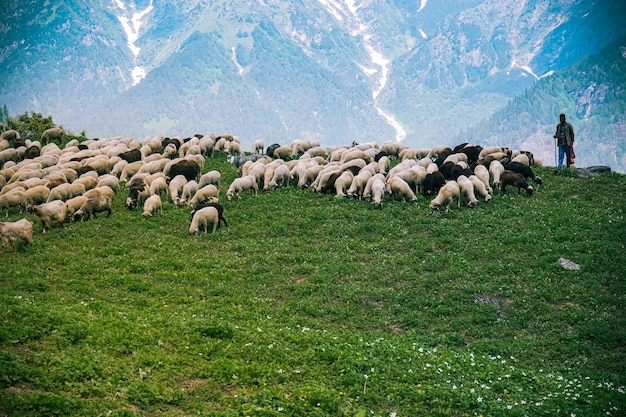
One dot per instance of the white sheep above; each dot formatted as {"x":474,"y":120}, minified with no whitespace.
{"x":73,"y":204}
{"x":399,"y":188}
{"x":358,"y":184}
{"x":11,"y":232}
{"x":495,"y":171}
{"x":159,"y":186}
{"x":36,"y":195}
{"x":189,"y":190}
{"x":467,"y":189}
{"x":280,"y":177}
{"x":212,"y":177}
{"x":151,"y":205}
{"x":93,"y":205}
{"x":53,"y":211}
{"x":108,"y":180}
{"x":242,"y":184}
{"x":204,"y":194}
{"x":377,"y":191}
{"x":480,"y":188}
{"x":522,"y":158}
{"x":14,"y":198}
{"x":446,"y":196}
{"x":176,"y":187}
{"x":343,"y":182}
{"x":284,"y":152}
{"x":482,"y":173}
{"x":202,"y":219}
{"x":258,"y":146}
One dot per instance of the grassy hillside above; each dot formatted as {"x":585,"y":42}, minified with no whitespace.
{"x":312,"y":305}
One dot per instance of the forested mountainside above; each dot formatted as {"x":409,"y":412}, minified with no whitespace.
{"x":592,"y":93}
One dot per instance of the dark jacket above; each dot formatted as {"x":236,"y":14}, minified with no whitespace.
{"x":564,"y":134}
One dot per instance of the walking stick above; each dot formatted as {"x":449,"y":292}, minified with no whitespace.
{"x":555,"y":159}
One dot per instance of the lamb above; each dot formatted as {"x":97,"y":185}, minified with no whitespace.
{"x":399,"y":188}
{"x":93,"y":205}
{"x":467,"y":189}
{"x":151,"y":205}
{"x":446,"y":196}
{"x":202,"y":219}
{"x":515,"y":179}
{"x":367,"y":191}
{"x":480,"y":188}
{"x":53,"y":211}
{"x":14,"y":198}
{"x":242,"y":184}
{"x":12,"y":232}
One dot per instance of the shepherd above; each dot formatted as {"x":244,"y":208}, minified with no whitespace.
{"x":565,"y":141}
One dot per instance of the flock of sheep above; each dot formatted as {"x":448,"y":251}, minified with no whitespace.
{"x":80,"y":180}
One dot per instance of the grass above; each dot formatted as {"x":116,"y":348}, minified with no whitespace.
{"x":311,"y":305}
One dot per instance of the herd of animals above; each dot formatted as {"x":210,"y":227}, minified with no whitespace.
{"x":79,"y":180}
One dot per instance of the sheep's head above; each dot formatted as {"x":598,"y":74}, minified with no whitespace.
{"x":130,"y":203}
{"x":529,"y":190}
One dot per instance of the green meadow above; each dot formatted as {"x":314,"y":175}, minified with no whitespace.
{"x":314,"y":305}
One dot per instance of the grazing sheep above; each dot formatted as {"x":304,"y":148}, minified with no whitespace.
{"x":189,"y":190}
{"x":212,"y":177}
{"x":53,"y":211}
{"x":400,"y":189}
{"x":516,"y":180}
{"x":242,"y":184}
{"x":284,"y":152}
{"x":482,"y":173}
{"x":10,"y":135}
{"x":203,"y":194}
{"x":467,"y":190}
{"x":202,"y":219}
{"x":93,"y":205}
{"x":358,"y":184}
{"x":52,"y":133}
{"x":480,"y":188}
{"x":343,"y":182}
{"x":446,"y":196}
{"x":432,"y":183}
{"x":137,"y":194}
{"x":36,"y":195}
{"x":108,"y":180}
{"x":151,"y":205}
{"x":495,"y":170}
{"x":176,"y":188}
{"x":159,"y":186}
{"x":12,"y":232}
{"x":523,"y":169}
{"x":280,"y":178}
{"x":73,"y":204}
{"x":212,"y":202}
{"x":14,"y":198}
{"x":377,"y":189}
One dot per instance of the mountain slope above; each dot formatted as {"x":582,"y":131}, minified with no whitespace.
{"x":331,"y":71}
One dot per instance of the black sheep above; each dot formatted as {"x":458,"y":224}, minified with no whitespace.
{"x":515,"y":179}
{"x":523,"y":169}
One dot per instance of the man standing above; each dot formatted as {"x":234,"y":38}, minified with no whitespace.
{"x":565,"y":138}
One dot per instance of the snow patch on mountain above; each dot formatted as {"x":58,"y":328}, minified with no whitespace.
{"x":131,"y":21}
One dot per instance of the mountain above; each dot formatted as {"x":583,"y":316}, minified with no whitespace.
{"x":417,"y":72}
{"x":592,"y":93}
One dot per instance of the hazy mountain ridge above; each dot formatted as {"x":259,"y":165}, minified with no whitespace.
{"x":419,"y":72}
